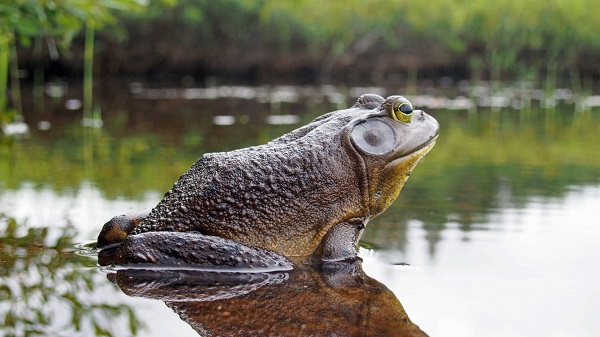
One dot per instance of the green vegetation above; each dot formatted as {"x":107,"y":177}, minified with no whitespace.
{"x":371,"y":40}
{"x":364,"y":42}
{"x":56,"y":23}
{"x":360,"y":42}
{"x":507,"y":31}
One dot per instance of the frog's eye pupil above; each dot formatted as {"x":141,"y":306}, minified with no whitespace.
{"x":406,"y":108}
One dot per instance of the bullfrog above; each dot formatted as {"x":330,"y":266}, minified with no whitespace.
{"x":303,"y":197}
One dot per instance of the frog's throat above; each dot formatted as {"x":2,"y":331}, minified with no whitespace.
{"x":392,"y":177}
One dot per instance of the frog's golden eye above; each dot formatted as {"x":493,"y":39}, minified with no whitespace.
{"x":402,"y":111}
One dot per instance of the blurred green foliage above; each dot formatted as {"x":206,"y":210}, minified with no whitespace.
{"x":500,"y":36}
{"x":458,"y":23}
{"x":57,"y":23}
{"x":331,"y":40}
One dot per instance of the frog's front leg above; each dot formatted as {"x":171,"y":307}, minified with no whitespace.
{"x":341,"y":242}
{"x":117,"y":228}
{"x":191,"y":249}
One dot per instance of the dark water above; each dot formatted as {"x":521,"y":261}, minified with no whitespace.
{"x":495,"y":234}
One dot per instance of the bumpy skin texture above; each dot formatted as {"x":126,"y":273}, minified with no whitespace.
{"x":287,"y":195}
{"x":274,"y":196}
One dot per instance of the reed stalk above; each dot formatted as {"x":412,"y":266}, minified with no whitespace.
{"x":38,"y":79}
{"x":88,"y":69}
{"x":15,"y":85}
{"x":3,"y":72}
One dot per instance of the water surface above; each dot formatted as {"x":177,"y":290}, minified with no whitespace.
{"x":494,"y":234}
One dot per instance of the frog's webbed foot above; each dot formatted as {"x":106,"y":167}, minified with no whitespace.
{"x":191,"y":249}
{"x":117,"y":228}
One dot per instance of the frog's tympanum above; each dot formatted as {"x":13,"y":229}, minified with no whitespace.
{"x":303,"y":197}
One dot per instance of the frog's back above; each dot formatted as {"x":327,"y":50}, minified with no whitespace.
{"x":250,"y":194}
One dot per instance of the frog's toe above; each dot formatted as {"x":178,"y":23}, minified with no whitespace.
{"x":117,"y":228}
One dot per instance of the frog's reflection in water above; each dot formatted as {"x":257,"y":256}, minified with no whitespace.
{"x":333,"y":299}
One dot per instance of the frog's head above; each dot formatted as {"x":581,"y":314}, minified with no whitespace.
{"x":388,"y":141}
{"x":352,"y":164}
